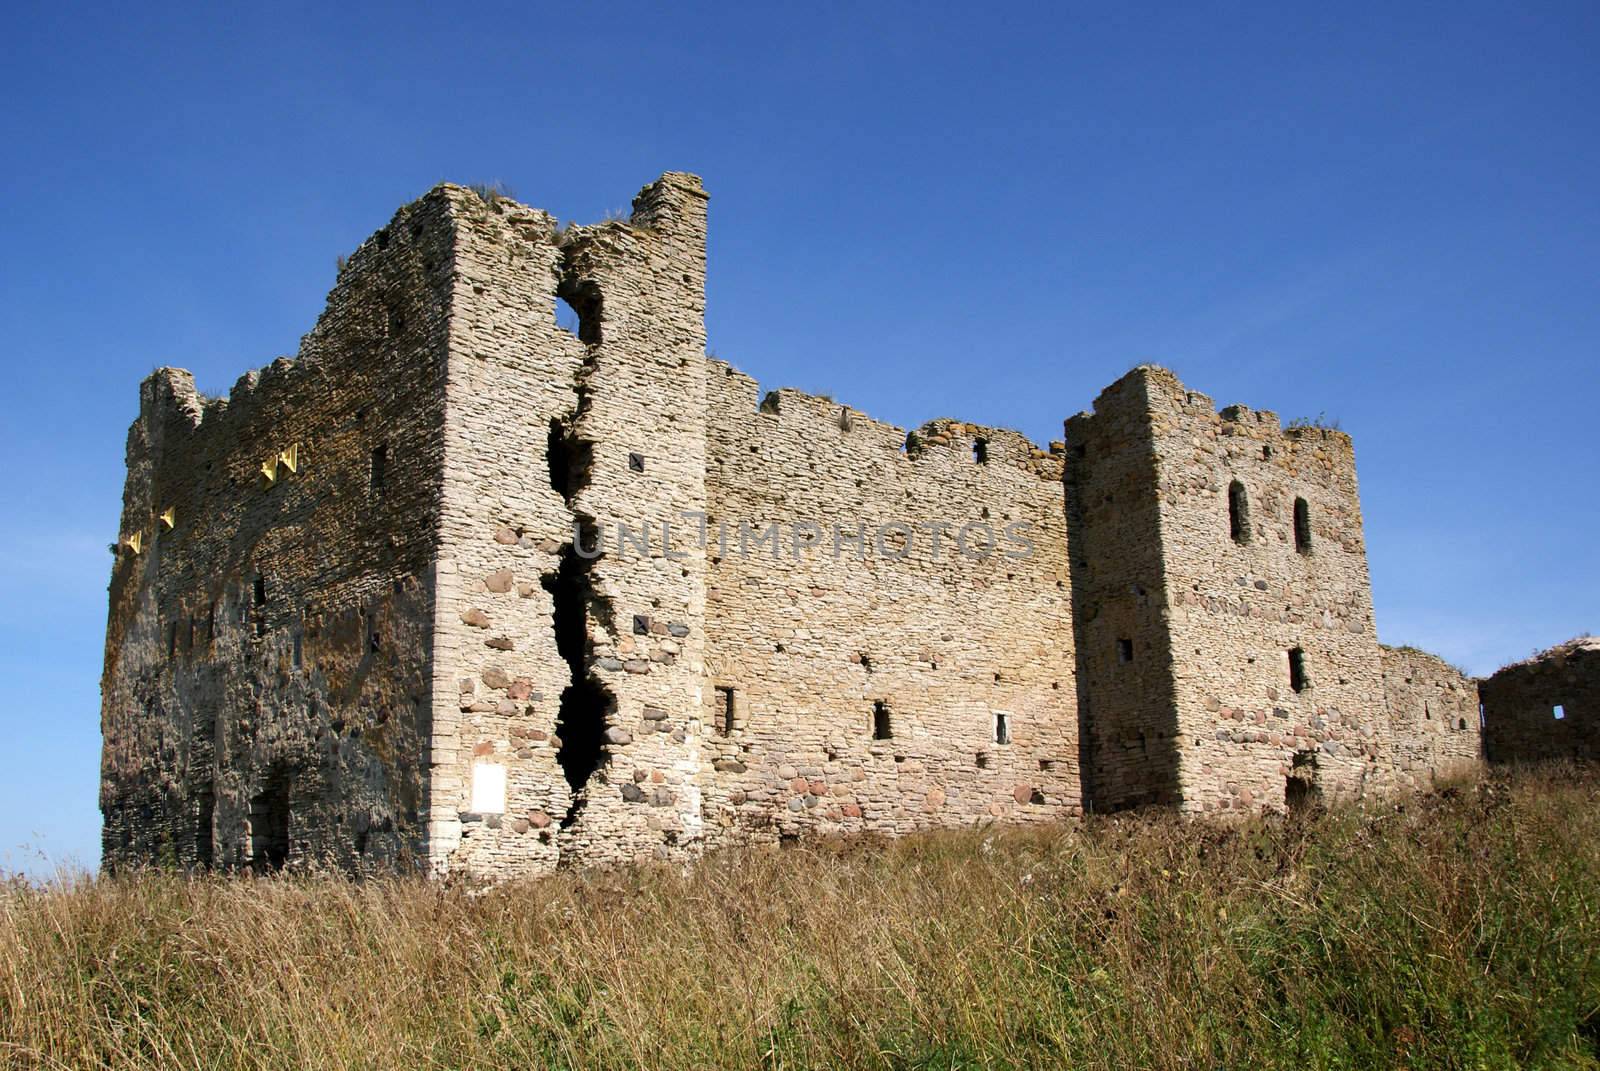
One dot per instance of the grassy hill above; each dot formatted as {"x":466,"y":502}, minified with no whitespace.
{"x":1458,"y":930}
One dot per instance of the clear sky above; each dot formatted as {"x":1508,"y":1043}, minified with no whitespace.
{"x":1388,"y":214}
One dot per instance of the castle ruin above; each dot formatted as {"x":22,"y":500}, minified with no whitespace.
{"x":462,"y":590}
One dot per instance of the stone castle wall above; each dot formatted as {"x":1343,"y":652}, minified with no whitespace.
{"x":1434,"y":714}
{"x":898,"y":652}
{"x":1521,"y":701}
{"x":267,"y":651}
{"x":550,"y":592}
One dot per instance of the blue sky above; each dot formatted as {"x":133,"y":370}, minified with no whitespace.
{"x":1387,"y":214}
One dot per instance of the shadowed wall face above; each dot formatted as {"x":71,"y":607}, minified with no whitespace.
{"x":1547,"y":707}
{"x":266,"y":694}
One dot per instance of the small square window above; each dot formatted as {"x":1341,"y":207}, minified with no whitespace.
{"x":641,"y":624}
{"x":1559,"y":711}
{"x":635,"y":461}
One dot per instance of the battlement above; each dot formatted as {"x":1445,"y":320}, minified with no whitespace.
{"x":479,"y":584}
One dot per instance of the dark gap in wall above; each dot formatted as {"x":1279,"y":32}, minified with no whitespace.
{"x":569,"y":459}
{"x":585,"y":703}
{"x":380,"y":466}
{"x":1298,"y":680}
{"x":269,"y":822}
{"x":1002,"y":728}
{"x":1301,"y":791}
{"x":725,"y":709}
{"x":980,"y":451}
{"x":1124,"y":650}
{"x":881,"y":729}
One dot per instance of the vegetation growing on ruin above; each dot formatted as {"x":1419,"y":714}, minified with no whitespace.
{"x":1459,"y":930}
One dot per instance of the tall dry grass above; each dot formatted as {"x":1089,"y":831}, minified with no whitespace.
{"x":1461,"y":930}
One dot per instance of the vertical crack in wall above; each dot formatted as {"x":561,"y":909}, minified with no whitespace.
{"x":586,"y":704}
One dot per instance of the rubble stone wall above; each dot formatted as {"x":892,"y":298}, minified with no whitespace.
{"x":1520,"y":703}
{"x":1434,"y":716}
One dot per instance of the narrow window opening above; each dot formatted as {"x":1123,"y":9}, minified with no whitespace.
{"x":1124,"y":650}
{"x":374,"y":644}
{"x":880,"y":721}
{"x":299,"y":649}
{"x":980,"y":451}
{"x":1002,"y":728}
{"x":261,"y":590}
{"x":1298,"y":680}
{"x":1238,"y":513}
{"x":1559,"y":711}
{"x":1462,"y":724}
{"x":1302,"y":526}
{"x":269,"y":823}
{"x":380,"y":465}
{"x":1266,"y":451}
{"x":725,"y":710}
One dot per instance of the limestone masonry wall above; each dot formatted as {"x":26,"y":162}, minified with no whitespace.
{"x":1547,"y":707}
{"x":503,"y":573}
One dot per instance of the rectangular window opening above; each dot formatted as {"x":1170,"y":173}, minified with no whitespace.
{"x":1298,"y":680}
{"x":725,"y":710}
{"x":380,"y":467}
{"x":881,"y":729}
{"x":1124,"y":650}
{"x":1559,"y":711}
{"x":1002,"y":727}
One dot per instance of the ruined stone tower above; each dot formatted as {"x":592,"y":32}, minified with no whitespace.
{"x":464,"y":590}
